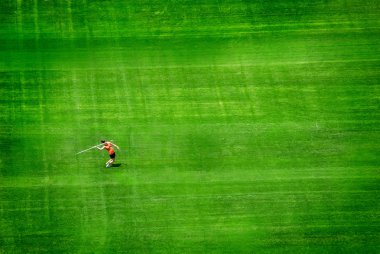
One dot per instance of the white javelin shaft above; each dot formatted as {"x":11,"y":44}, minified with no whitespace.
{"x":89,"y":149}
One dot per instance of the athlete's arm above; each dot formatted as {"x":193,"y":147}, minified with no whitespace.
{"x":100,"y":148}
{"x":115,"y":146}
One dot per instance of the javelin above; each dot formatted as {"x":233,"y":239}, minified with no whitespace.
{"x":91,"y":148}
{"x":88,"y":149}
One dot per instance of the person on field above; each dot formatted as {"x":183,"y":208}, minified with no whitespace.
{"x":109,"y":147}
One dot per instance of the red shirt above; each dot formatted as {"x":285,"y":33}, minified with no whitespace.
{"x":109,"y":148}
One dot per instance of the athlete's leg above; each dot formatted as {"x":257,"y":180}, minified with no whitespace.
{"x":113,"y":157}
{"x":110,"y":161}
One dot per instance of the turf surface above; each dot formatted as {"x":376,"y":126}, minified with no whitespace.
{"x":244,"y":126}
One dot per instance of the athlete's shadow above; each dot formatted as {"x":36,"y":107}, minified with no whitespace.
{"x":116,"y":165}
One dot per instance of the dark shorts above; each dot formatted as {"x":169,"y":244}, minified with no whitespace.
{"x":112,"y":156}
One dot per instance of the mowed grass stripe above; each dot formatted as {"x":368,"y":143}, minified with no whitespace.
{"x":163,"y":18}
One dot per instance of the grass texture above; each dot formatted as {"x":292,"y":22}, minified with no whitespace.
{"x":244,"y":126}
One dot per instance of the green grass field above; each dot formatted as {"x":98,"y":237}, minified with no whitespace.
{"x":245,"y":126}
